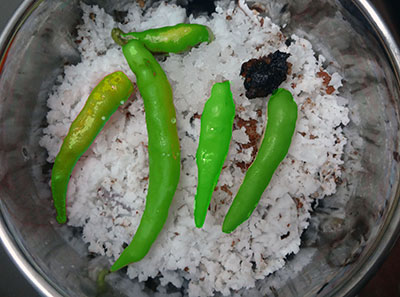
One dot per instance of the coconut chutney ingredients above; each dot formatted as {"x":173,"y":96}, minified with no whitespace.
{"x":169,"y":39}
{"x":215,"y":136}
{"x":264,"y":75}
{"x":163,"y":148}
{"x":108,"y":188}
{"x":282,"y":116}
{"x":104,"y":100}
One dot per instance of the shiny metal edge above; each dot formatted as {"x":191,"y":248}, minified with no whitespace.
{"x":11,"y":246}
{"x":26,"y":268}
{"x":387,"y":240}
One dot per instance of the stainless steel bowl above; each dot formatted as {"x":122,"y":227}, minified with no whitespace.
{"x":346,"y":240}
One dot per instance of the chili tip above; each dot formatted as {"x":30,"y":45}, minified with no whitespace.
{"x":61,"y":219}
{"x":211,"y":36}
{"x":117,"y":36}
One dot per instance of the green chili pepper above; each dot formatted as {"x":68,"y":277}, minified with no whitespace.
{"x":282,"y":116}
{"x":215,"y":136}
{"x":104,"y":100}
{"x":163,"y":146}
{"x":170,"y":39}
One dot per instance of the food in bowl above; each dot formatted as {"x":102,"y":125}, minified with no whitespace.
{"x":108,"y":187}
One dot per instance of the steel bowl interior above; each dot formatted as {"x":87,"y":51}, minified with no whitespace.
{"x":349,"y":233}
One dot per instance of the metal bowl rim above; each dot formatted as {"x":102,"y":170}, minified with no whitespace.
{"x":355,"y":283}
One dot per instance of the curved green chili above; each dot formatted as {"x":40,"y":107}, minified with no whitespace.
{"x":282,"y":116}
{"x":170,"y":39}
{"x":163,"y":146}
{"x":215,"y":136}
{"x":104,"y":100}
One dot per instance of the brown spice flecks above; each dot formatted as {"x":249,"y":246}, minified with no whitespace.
{"x":126,"y":107}
{"x":197,"y":116}
{"x":259,"y":112}
{"x":243,"y":165}
{"x":141,"y":3}
{"x":145,"y":178}
{"x":118,"y":140}
{"x":262,"y":22}
{"x":226,"y":190}
{"x":186,"y":269}
{"x":146,"y":147}
{"x":251,"y":131}
{"x":299,"y":204}
{"x":326,"y":78}
{"x":313,"y":136}
{"x":258,"y":7}
{"x":330,"y":90}
{"x":92,"y":16}
{"x":308,"y":101}
{"x":216,"y":189}
{"x":289,"y":71}
{"x":176,"y":233}
{"x":240,"y":108}
{"x":258,"y":47}
{"x":338,"y":180}
{"x":228,"y":17}
{"x":293,"y":85}
{"x":233,"y":243}
{"x":302,"y":133}
{"x":193,"y":117}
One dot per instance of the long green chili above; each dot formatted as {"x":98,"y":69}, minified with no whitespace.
{"x":163,"y":147}
{"x":104,"y":100}
{"x":282,"y":116}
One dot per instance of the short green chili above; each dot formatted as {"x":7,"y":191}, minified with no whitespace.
{"x":282,"y":116}
{"x":170,"y":39}
{"x":104,"y":100}
{"x":215,"y":136}
{"x":163,"y":147}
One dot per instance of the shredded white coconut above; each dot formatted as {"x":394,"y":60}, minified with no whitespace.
{"x":108,"y":187}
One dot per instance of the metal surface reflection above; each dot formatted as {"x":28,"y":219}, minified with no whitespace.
{"x":39,"y":40}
